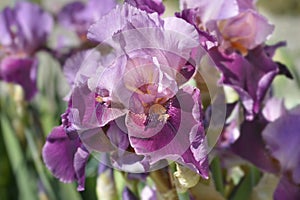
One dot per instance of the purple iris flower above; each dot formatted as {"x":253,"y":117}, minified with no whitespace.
{"x":282,"y":139}
{"x":79,"y":16}
{"x":245,"y":63}
{"x":235,"y":23}
{"x":250,"y":76}
{"x":158,"y":111}
{"x":266,"y":142}
{"x":140,"y":95}
{"x":68,"y":164}
{"x":21,"y":36}
{"x":64,"y":154}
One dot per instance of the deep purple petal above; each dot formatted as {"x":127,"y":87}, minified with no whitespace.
{"x":271,"y":49}
{"x":286,"y":190}
{"x":149,"y":6}
{"x":128,"y":195}
{"x":22,"y":71}
{"x":58,"y":155}
{"x":282,"y":139}
{"x":80,"y":160}
{"x":250,"y":76}
{"x":250,"y":146}
{"x":190,"y":16}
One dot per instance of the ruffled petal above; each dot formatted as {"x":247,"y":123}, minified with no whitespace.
{"x":246,"y":30}
{"x":171,"y":141}
{"x":58,"y":155}
{"x":80,"y":66}
{"x":123,"y":16}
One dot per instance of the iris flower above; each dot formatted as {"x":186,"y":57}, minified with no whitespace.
{"x":21,"y":36}
{"x":131,"y":100}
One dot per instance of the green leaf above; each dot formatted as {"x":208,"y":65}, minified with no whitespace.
{"x":24,"y":179}
{"x":217,"y":175}
{"x":245,"y":187}
{"x":68,"y":191}
{"x":39,"y":164}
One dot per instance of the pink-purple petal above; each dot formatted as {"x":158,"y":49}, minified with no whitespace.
{"x":123,"y":16}
{"x":172,"y":141}
{"x":248,"y":29}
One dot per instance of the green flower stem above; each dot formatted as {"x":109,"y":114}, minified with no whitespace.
{"x":183,"y":196}
{"x":217,"y":175}
{"x":38,"y":164}
{"x":165,"y":188}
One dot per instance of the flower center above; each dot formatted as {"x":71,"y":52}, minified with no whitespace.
{"x":157,"y":114}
